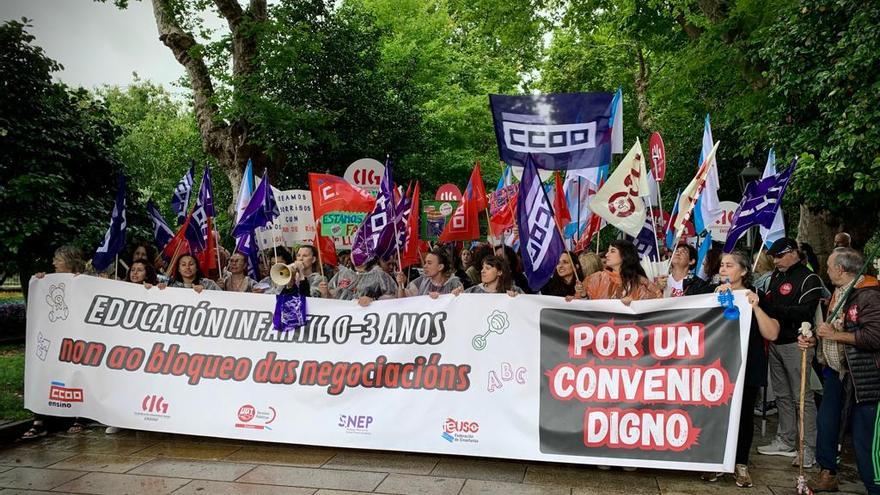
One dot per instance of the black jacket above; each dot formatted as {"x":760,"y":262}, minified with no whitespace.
{"x":791,"y":298}
{"x":861,"y":316}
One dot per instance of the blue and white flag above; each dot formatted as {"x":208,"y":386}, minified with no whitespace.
{"x":705,"y":246}
{"x":247,"y":243}
{"x":245,"y":190}
{"x":180,"y":198}
{"x":114,"y":239}
{"x":670,"y":232}
{"x":759,"y":205}
{"x":617,"y":122}
{"x":162,"y":233}
{"x":777,"y":229}
{"x":708,"y":207}
{"x":260,"y":211}
{"x":562,"y":131}
{"x":540,"y":242}
{"x":376,"y":234}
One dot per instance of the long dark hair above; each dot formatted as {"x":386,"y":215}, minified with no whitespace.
{"x":557,"y":286}
{"x":199,"y":275}
{"x":631,"y":271}
{"x":150,"y":276}
{"x":505,"y":279}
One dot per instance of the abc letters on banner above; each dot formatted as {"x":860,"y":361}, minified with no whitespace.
{"x":657,"y":384}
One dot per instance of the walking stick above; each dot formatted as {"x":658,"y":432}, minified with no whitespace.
{"x":802,"y":487}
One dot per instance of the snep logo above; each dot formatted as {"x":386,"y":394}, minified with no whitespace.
{"x":62,"y":396}
{"x":460,"y":431}
{"x":355,"y":424}
{"x":249,"y":417}
{"x":153,"y":408}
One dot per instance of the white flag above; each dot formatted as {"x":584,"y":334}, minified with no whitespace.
{"x":620,"y":201}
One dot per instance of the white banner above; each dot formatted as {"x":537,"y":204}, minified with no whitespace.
{"x":296,"y":223}
{"x":530,"y":377}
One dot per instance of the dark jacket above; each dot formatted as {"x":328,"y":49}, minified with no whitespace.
{"x":861,"y":316}
{"x":791,"y":298}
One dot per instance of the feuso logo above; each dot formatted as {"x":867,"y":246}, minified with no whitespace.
{"x":455,"y":426}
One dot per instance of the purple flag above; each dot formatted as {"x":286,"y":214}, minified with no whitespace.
{"x":204,"y":203}
{"x":403,"y":210}
{"x":645,"y":242}
{"x":180,"y":198}
{"x":290,"y":310}
{"x":261,"y":209}
{"x":375,"y":236}
{"x":114,"y":239}
{"x":162,"y":233}
{"x":194,"y":236}
{"x":247,"y":245}
{"x":541,"y":244}
{"x":759,"y":205}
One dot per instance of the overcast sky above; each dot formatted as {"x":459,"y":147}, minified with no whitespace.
{"x":98,"y":43}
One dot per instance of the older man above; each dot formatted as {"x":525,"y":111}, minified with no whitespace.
{"x":791,"y":298}
{"x":851,"y":344}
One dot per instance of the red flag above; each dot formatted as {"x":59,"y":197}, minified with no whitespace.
{"x":560,"y":205}
{"x":177,"y":247}
{"x":208,"y":257}
{"x":331,"y":193}
{"x":593,"y":227}
{"x":325,"y":246}
{"x":411,"y":250}
{"x":504,"y":218}
{"x":477,"y":190}
{"x":463,"y":225}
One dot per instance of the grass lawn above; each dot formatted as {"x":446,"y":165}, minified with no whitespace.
{"x":12,"y":383}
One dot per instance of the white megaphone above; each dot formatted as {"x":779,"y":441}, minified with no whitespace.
{"x":281,"y":274}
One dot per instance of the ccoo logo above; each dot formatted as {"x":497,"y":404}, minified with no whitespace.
{"x":154,"y":404}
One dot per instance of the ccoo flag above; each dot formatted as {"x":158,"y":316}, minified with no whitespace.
{"x":541,"y":244}
{"x":759,"y":205}
{"x":376,"y":234}
{"x":180,"y":198}
{"x":560,"y":131}
{"x":777,"y":230}
{"x":162,"y":233}
{"x":114,"y":239}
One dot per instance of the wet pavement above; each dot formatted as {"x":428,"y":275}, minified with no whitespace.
{"x":134,"y":462}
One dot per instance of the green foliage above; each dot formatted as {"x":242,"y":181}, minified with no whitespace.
{"x":57,"y":170}
{"x":12,"y":383}
{"x":822,"y":61}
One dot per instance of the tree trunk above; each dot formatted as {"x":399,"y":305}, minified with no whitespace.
{"x":818,"y":227}
{"x":227,"y":142}
{"x":641,"y":84}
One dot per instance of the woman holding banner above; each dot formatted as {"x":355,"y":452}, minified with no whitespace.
{"x":187,"y":274}
{"x":365,"y":283}
{"x":235,"y":279}
{"x":67,"y":259}
{"x":495,"y":278}
{"x":735,"y":270}
{"x":623,"y":277}
{"x":437,"y":277}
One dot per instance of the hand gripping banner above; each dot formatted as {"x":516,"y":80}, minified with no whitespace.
{"x":657,"y":384}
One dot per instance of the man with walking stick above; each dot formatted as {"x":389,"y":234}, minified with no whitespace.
{"x":851,"y":347}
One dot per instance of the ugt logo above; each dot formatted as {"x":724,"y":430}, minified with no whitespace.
{"x":154,"y":404}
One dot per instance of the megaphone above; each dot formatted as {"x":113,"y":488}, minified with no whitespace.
{"x":281,"y":274}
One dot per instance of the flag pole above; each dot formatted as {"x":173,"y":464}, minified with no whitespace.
{"x":758,"y":256}
{"x":217,"y":247}
{"x":318,"y":238}
{"x":116,"y":268}
{"x":489,"y":225}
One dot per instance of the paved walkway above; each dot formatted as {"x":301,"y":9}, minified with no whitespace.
{"x":155,"y":464}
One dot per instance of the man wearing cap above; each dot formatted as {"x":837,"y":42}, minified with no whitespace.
{"x":791,"y":298}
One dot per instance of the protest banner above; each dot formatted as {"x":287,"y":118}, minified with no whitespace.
{"x":296,"y":225}
{"x":655,"y":384}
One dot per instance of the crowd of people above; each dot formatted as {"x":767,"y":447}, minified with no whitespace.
{"x":786,"y":289}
